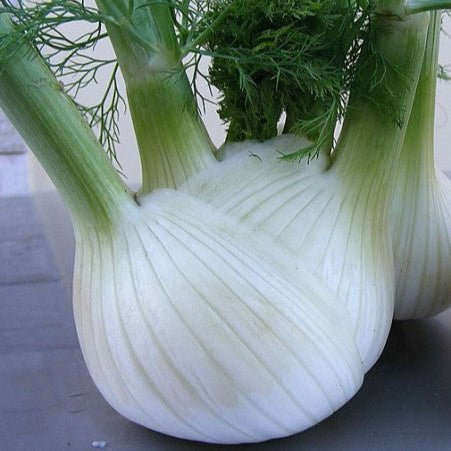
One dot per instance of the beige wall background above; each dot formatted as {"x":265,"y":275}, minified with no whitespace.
{"x":128,"y":154}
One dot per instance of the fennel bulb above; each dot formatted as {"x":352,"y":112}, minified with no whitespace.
{"x":231,"y":301}
{"x":422,"y":244}
{"x":192,"y":325}
{"x":333,"y":213}
{"x":190,"y":322}
{"x":421,"y":212}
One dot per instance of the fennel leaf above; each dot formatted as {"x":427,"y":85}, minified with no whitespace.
{"x":49,"y":27}
{"x":295,"y":57}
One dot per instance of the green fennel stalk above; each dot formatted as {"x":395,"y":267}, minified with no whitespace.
{"x":62,"y":141}
{"x":172,"y":141}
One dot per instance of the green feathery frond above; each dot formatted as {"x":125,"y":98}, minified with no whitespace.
{"x":285,"y":56}
{"x":298,"y":57}
{"x":51,"y":27}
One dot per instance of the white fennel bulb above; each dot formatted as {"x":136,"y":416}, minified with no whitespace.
{"x":421,"y":213}
{"x":337,"y":231}
{"x":232,"y":301}
{"x":333,"y":214}
{"x":192,"y":325}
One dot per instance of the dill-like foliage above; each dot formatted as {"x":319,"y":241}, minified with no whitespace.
{"x":300,"y":57}
{"x":69,"y":55}
{"x":292,"y":56}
